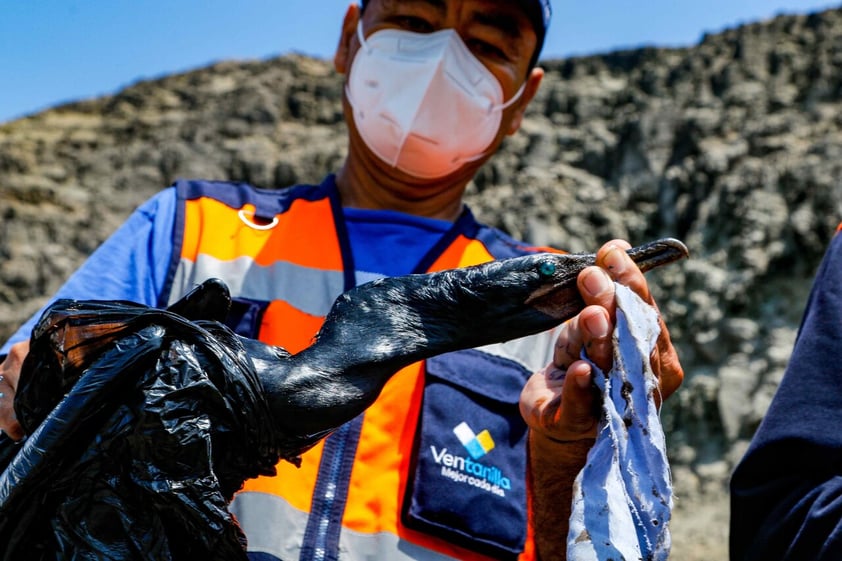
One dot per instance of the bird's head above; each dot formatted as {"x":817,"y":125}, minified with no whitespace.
{"x":495,"y":301}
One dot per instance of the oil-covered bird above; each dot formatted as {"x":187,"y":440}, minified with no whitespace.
{"x":142,"y":423}
{"x":378,"y":328}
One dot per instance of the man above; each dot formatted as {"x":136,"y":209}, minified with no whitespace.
{"x":785,"y":491}
{"x":432,"y":88}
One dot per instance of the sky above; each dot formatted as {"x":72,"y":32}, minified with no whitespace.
{"x":55,"y":51}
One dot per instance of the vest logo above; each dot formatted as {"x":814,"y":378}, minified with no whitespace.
{"x":466,"y":469}
{"x":477,"y":445}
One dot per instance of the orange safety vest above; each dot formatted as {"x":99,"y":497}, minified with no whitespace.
{"x":403,"y":480}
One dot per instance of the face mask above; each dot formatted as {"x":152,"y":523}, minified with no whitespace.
{"x":422,"y":102}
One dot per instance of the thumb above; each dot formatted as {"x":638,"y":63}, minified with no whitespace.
{"x":579,"y":400}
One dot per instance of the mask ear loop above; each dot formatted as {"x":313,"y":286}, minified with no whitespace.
{"x":363,"y":45}
{"x":500,"y":107}
{"x":512,"y":100}
{"x":361,"y":36}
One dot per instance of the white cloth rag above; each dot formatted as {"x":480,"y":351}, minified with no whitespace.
{"x":622,"y":498}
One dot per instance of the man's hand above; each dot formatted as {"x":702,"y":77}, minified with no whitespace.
{"x":560,"y":404}
{"x":9,"y":375}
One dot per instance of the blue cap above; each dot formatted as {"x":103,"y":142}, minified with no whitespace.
{"x":546,"y":12}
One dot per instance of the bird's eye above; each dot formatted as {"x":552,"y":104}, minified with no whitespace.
{"x":547,"y":268}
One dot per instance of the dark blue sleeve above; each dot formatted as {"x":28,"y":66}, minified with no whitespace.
{"x":131,"y":264}
{"x":786,"y":493}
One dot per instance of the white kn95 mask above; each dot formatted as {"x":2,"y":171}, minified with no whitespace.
{"x":422,"y":102}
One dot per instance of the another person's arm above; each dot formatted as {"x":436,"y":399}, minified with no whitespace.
{"x":559,"y":404}
{"x":786,"y":493}
{"x":130,"y":265}
{"x":9,"y":375}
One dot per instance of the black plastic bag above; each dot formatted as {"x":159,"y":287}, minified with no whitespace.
{"x":141,"y":425}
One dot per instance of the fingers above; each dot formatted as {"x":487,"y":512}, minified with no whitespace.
{"x":559,"y":404}
{"x":614,"y":260}
{"x":560,"y":401}
{"x":597,"y":289}
{"x":614,"y":265}
{"x":665,"y":365}
{"x":8,"y":420}
{"x":10,"y":368}
{"x":591,"y":331}
{"x":596,"y":285}
{"x":9,"y":375}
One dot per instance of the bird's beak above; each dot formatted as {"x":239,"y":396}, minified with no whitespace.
{"x":657,"y":253}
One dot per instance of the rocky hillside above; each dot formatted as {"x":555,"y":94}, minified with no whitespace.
{"x":734,"y":146}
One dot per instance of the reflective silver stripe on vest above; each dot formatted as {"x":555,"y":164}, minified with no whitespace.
{"x":310,"y":290}
{"x":273,"y":526}
{"x":270,"y":524}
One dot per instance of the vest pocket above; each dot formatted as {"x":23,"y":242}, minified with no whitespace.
{"x":469,"y":481}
